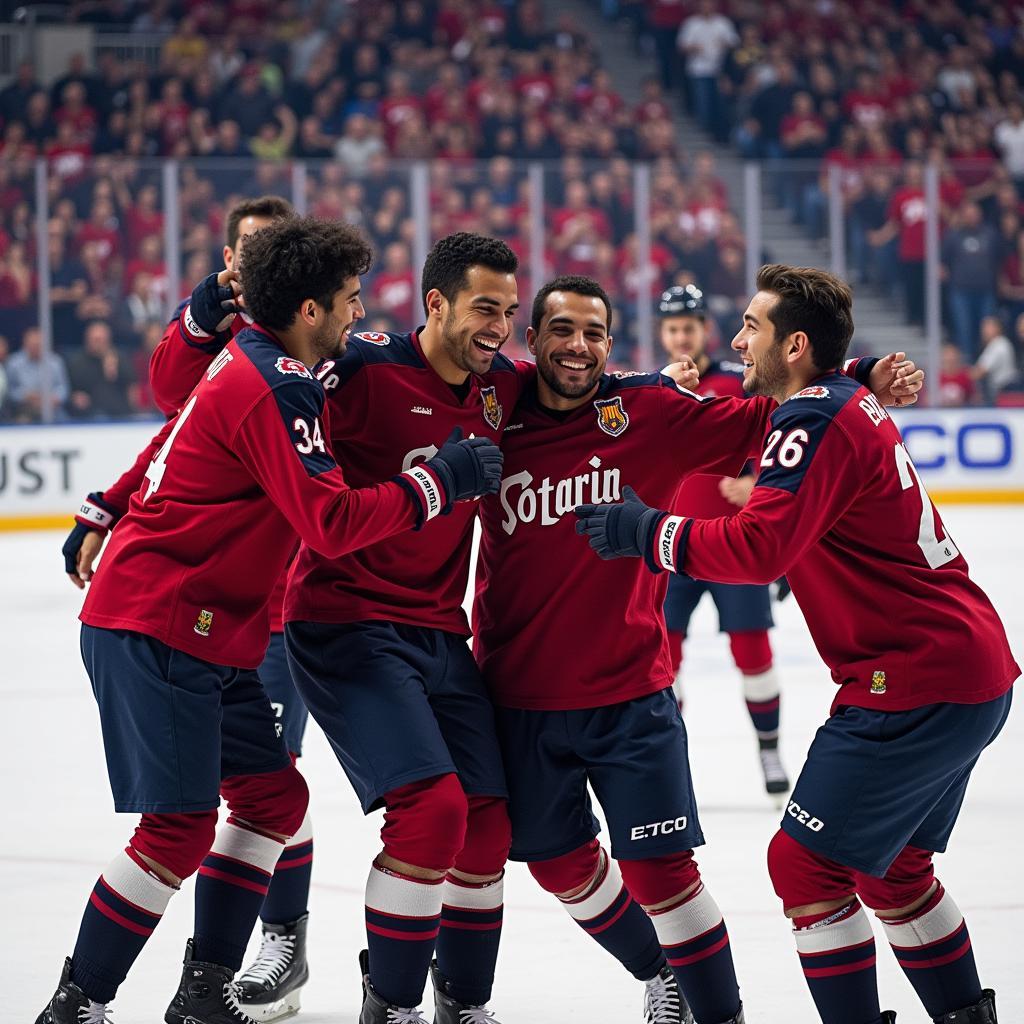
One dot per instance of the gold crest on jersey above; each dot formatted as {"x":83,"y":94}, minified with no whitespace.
{"x":204,"y":620}
{"x":492,"y":407}
{"x":611,"y":416}
{"x":878,"y":681}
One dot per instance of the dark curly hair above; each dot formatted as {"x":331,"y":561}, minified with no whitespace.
{"x":297,"y":259}
{"x":578,"y":285}
{"x":448,"y":262}
{"x":272,"y":208}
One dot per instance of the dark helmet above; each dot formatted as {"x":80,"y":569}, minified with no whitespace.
{"x":687,"y":300}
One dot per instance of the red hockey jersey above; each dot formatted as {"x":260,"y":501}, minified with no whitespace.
{"x":389,"y":410}
{"x":840,"y":509}
{"x":243,"y":467}
{"x":555,"y":627}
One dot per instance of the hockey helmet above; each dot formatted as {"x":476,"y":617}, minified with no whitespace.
{"x":682,"y":300}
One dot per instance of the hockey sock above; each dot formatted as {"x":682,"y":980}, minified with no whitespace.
{"x":837,"y":954}
{"x":233,"y":881}
{"x":616,"y":922}
{"x":752,"y":653}
{"x":403,"y":917}
{"x":288,"y":895}
{"x":126,"y":904}
{"x":696,"y":944}
{"x":467,"y":945}
{"x":933,"y":947}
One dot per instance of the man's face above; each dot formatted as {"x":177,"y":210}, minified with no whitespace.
{"x":765,"y":371}
{"x":246,"y":227}
{"x":478,"y":321}
{"x":683,"y":336}
{"x":572,"y":344}
{"x":331,"y":337}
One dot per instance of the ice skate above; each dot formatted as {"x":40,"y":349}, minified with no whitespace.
{"x":70,"y":1005}
{"x":776,"y":781}
{"x":663,"y":1001}
{"x":376,"y":1010}
{"x":205,"y":995}
{"x":451,"y":1011}
{"x":269,"y":988}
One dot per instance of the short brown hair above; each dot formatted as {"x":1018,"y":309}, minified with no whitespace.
{"x":815,"y":302}
{"x":273,"y":208}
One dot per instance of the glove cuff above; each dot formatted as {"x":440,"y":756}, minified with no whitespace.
{"x":860,"y":369}
{"x":667,"y":542}
{"x":190,"y":328}
{"x":96,"y":514}
{"x":428,"y":491}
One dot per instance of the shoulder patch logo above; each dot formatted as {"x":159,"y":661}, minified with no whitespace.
{"x":492,"y":407}
{"x":814,"y":391}
{"x":204,"y":620}
{"x":623,"y":374}
{"x":612,"y":417}
{"x":288,"y":364}
{"x":374,"y":337}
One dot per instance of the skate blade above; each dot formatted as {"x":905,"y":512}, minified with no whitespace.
{"x":279,"y":1009}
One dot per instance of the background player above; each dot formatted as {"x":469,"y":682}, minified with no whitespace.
{"x":377,"y":641}
{"x":180,"y":607}
{"x":270,"y":987}
{"x":580,"y":698}
{"x":745,"y":611}
{"x":917,"y":650}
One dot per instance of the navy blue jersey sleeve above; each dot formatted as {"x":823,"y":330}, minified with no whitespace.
{"x":796,"y":433}
{"x":348,"y":389}
{"x":300,"y":404}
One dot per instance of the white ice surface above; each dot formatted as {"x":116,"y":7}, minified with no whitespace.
{"x":60,"y":829}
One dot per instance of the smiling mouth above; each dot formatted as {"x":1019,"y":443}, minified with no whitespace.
{"x":573,"y":365}
{"x":487,"y":345}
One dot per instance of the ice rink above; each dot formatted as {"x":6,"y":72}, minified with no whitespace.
{"x":61,"y":830}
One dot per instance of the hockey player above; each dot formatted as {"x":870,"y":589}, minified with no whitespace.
{"x":270,"y":988}
{"x":744,"y":612}
{"x":176,"y":622}
{"x":602,"y":711}
{"x":840,"y":508}
{"x":377,"y":642}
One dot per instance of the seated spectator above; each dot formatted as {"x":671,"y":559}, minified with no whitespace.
{"x":996,"y":368}
{"x":956,"y":383}
{"x":391,"y":293}
{"x":101,"y":379}
{"x":30,"y":376}
{"x":141,"y":306}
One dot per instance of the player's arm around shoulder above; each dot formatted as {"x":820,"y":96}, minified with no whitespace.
{"x":347,"y":384}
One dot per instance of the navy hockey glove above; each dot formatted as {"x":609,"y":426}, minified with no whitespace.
{"x":209,"y":305}
{"x":467,"y":468}
{"x":94,"y":515}
{"x":624,"y":530}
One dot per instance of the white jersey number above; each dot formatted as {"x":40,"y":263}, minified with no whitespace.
{"x":308,"y":441}
{"x":155,"y":470}
{"x":791,"y":451}
{"x":937,"y":552}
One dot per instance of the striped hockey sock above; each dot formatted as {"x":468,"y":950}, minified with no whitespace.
{"x":761,"y":693}
{"x":617,"y":923}
{"x":288,"y":895}
{"x":933,"y":947}
{"x":233,"y":881}
{"x":126,"y":904}
{"x":696,"y":943}
{"x":467,"y":945}
{"x":837,"y":954}
{"x":403,"y":918}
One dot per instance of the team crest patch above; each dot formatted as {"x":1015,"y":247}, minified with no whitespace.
{"x":204,"y":620}
{"x":492,"y":407}
{"x":611,"y":416}
{"x":374,"y":338}
{"x":878,"y":681}
{"x":287,"y":364}
{"x":814,"y":391}
{"x":624,"y":374}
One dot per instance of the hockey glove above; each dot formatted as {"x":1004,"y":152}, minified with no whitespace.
{"x":94,"y":515}
{"x":467,"y":468}
{"x":624,"y":530}
{"x":210,"y":308}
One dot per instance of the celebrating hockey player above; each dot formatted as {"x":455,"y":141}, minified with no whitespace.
{"x":602,"y":711}
{"x":918,"y":652}
{"x":176,"y":621}
{"x":744,"y":612}
{"x":271,"y":986}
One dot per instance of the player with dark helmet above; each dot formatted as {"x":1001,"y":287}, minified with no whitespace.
{"x":744,"y":612}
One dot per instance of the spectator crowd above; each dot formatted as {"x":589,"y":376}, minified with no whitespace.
{"x":348,"y":93}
